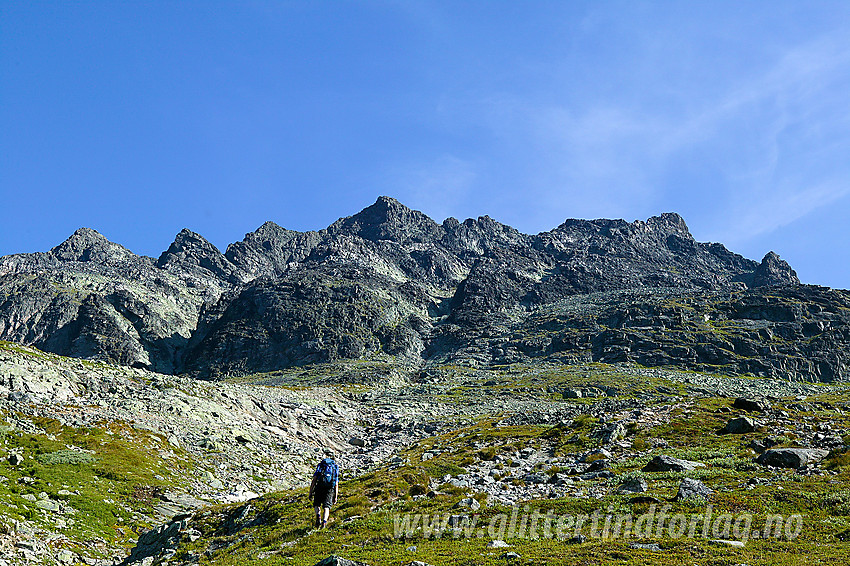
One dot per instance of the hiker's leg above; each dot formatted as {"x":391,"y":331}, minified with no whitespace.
{"x":318,"y":517}
{"x":327,"y":513}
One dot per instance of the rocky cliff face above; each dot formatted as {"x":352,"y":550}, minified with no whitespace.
{"x":389,"y":281}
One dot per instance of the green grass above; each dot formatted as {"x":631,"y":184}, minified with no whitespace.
{"x":109,"y":475}
{"x":370,"y":505}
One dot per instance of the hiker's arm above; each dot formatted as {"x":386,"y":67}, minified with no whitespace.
{"x":312,"y":486}
{"x":336,"y":492}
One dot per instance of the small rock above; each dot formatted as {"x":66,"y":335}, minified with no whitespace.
{"x":48,"y":505}
{"x":598,"y":454}
{"x":732,"y":543}
{"x":15,"y":459}
{"x":510,"y":556}
{"x":639,"y":546}
{"x":692,"y":489}
{"x":357,"y":441}
{"x":468,"y":503}
{"x":498,"y":544}
{"x":634,"y":485}
{"x":337,"y":561}
{"x":536,"y":478}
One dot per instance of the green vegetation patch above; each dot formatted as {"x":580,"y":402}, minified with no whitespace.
{"x":65,"y":457}
{"x":100,"y":482}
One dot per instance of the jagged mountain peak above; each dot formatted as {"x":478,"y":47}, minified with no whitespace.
{"x":187,"y":243}
{"x":186,"y":233}
{"x":666,"y":224}
{"x":268,"y":236}
{"x":270,"y":249}
{"x":87,"y":245}
{"x":481,"y":234}
{"x":384,"y":280}
{"x":192,"y":254}
{"x":670,"y":222}
{"x":388,"y":219}
{"x":774,"y":270}
{"x":270,"y":229}
{"x":186,"y":238}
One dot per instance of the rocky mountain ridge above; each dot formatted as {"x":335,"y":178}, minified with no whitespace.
{"x":391,"y":282}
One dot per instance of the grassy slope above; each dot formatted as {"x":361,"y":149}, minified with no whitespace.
{"x":369,"y":505}
{"x":114,"y":486}
{"x":107,"y":478}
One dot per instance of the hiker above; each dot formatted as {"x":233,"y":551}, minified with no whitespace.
{"x":324,"y":490}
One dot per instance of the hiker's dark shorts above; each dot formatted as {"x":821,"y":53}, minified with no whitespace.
{"x":323,"y":496}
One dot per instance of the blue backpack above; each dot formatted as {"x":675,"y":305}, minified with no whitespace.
{"x":327,"y":472}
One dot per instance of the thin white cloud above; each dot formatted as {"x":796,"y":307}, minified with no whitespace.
{"x":769,"y":140}
{"x":766,"y":147}
{"x":762,"y":217}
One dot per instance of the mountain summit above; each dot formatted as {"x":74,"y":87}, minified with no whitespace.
{"x":390,"y":281}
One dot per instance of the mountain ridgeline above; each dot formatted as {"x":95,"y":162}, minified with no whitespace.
{"x":391,"y":282}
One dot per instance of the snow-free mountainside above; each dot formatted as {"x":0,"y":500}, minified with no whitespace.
{"x":171,"y":410}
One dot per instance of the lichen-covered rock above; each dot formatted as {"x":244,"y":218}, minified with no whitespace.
{"x":690,"y":488}
{"x":741,"y":425}
{"x":791,"y":457}
{"x":664,"y":463}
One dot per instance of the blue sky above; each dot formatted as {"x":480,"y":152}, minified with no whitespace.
{"x":140,"y":118}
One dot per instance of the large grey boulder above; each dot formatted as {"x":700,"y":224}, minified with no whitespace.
{"x":741,"y":425}
{"x":791,"y":457}
{"x":663,"y":463}
{"x":158,"y":541}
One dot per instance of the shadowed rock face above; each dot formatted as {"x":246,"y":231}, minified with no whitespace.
{"x":773,"y":271}
{"x":391,"y":281}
